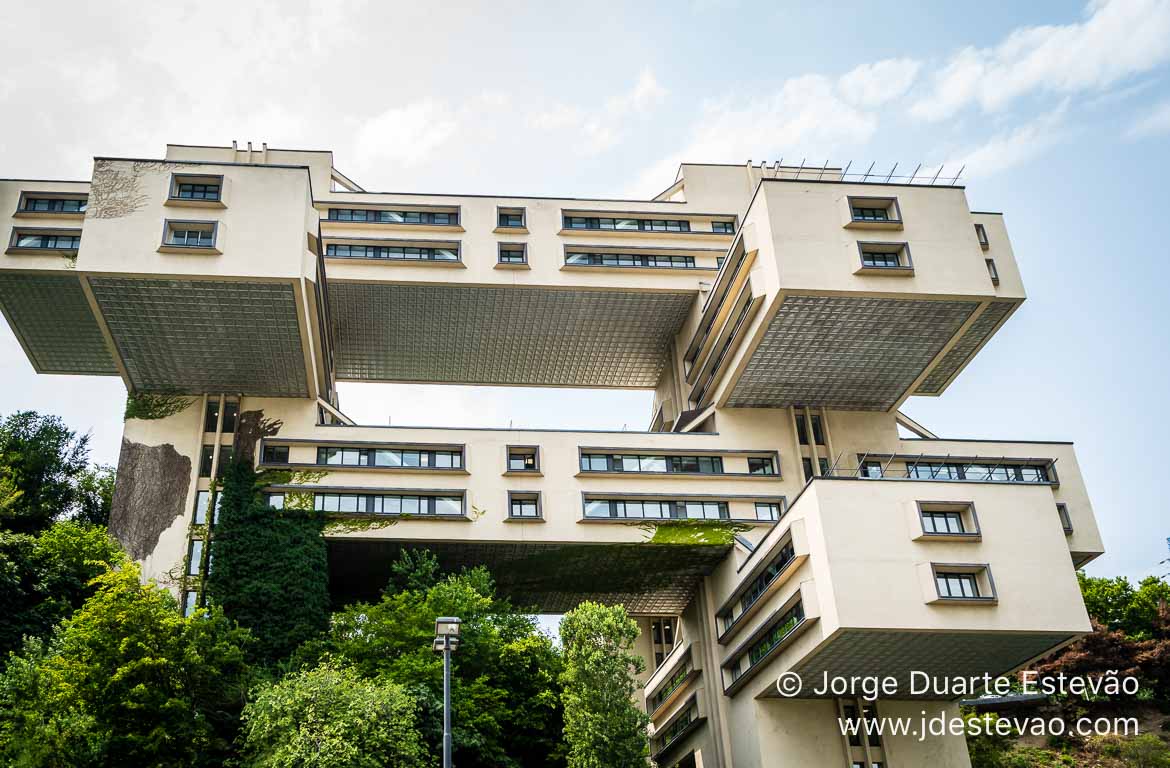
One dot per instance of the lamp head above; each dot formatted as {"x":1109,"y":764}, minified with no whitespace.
{"x":447,"y":626}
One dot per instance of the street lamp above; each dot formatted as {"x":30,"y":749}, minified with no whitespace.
{"x":446,"y":641}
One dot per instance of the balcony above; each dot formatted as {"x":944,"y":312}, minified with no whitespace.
{"x":853,"y":582}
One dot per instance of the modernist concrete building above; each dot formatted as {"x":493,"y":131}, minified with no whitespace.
{"x":773,"y":517}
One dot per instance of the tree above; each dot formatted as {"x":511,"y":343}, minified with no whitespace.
{"x":330,"y":717}
{"x":95,"y":495}
{"x":45,"y":578}
{"x":126,"y":681}
{"x":1116,"y":604}
{"x":43,"y":459}
{"x":270,"y":572}
{"x":506,"y":708}
{"x":603,"y":727}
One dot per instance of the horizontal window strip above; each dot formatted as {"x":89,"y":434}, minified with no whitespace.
{"x":434,"y":218}
{"x":47,"y":242}
{"x":758,"y":586}
{"x":626,"y":224}
{"x":768,"y":642}
{"x":55,"y":204}
{"x":583,"y":259}
{"x":654,"y":509}
{"x":379,"y":503}
{"x":612,"y":462}
{"x":393,"y":252}
{"x":392,"y":458}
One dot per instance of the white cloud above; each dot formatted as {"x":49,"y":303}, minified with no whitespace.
{"x":871,"y":85}
{"x":1154,"y":123}
{"x":1118,"y":38}
{"x":1009,"y":149}
{"x":596,"y":130}
{"x":805,"y":115}
{"x":408,"y":135}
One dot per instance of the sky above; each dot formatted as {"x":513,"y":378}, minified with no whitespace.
{"x":1059,"y":112}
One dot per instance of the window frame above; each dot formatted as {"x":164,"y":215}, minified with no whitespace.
{"x":889,"y":203}
{"x":454,"y":215}
{"x":22,"y":211}
{"x":512,"y":210}
{"x":171,"y":226}
{"x":968,"y":519}
{"x":979,"y":574}
{"x":510,"y":247}
{"x":178,"y":180}
{"x":530,"y":450}
{"x":899,"y":250}
{"x":525,"y":496}
{"x":18,"y":233}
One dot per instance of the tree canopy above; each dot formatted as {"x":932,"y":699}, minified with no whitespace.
{"x":126,"y":681}
{"x":603,"y":727}
{"x":41,"y":461}
{"x":331,"y":717}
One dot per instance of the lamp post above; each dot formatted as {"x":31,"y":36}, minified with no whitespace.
{"x":446,"y":641}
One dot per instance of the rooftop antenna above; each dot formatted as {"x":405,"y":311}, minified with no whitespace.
{"x":957,"y":175}
{"x":866,"y":176}
{"x":845,"y":173}
{"x":938,"y":173}
{"x":891,"y":173}
{"x":801,"y":168}
{"x":914,"y":174}
{"x":823,"y":167}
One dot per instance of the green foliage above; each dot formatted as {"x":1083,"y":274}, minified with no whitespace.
{"x":44,"y":578}
{"x":41,"y":459}
{"x":148,"y":407}
{"x":987,"y":749}
{"x":270,"y":572}
{"x":1116,"y":604}
{"x":95,"y":495}
{"x":330,"y":717}
{"x":126,"y":681}
{"x":506,"y":707}
{"x":603,"y":727}
{"x":1146,"y":751}
{"x":717,"y":533}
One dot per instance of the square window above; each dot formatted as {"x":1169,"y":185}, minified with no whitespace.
{"x":761,"y":465}
{"x":523,"y":505}
{"x":275,"y":454}
{"x":523,"y":459}
{"x":513,"y":253}
{"x":510,"y":218}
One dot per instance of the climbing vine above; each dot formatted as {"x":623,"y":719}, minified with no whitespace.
{"x":149,"y":407}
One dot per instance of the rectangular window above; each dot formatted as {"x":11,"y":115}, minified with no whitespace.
{"x":942,"y":522}
{"x":275,"y":454}
{"x":190,"y":602}
{"x":194,"y":557}
{"x":992,"y":272}
{"x":817,"y":429}
{"x":1065,"y":519}
{"x":205,"y":459}
{"x":981,"y":233}
{"x":626,"y":224}
{"x":274,"y":500}
{"x":767,"y":511}
{"x":885,"y":256}
{"x":875,"y":212}
{"x":770,"y":640}
{"x":513,"y":253}
{"x":659,"y":261}
{"x":523,"y":505}
{"x":231,"y":412}
{"x":761,"y":465}
{"x":45,"y":241}
{"x":957,"y":585}
{"x":522,"y":459}
{"x":197,"y":191}
{"x":393,"y":252}
{"x":190,"y":234}
{"x":211,"y":416}
{"x":388,"y":504}
{"x":758,"y":586}
{"x":202,"y":499}
{"x":511,"y":218}
{"x":54,"y":204}
{"x":651,"y":464}
{"x":872,"y":470}
{"x":723,"y":227}
{"x":392,"y":458}
{"x":429,"y":218}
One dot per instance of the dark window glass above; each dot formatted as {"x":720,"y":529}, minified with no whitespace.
{"x":663,"y":261}
{"x":524,"y":506}
{"x":205,"y":458}
{"x":963,"y":585}
{"x":806,"y":465}
{"x":198,"y":191}
{"x":508,"y":219}
{"x":439,"y":218}
{"x":392,"y":252}
{"x":761,"y":465}
{"x":870,"y":214}
{"x":522,"y":462}
{"x":55,"y":204}
{"x":231,"y":411}
{"x":211,"y":416}
{"x":725,"y":227}
{"x":194,"y":557}
{"x":48,"y":242}
{"x":276,"y":454}
{"x":191,"y":238}
{"x":942,"y":522}
{"x":512,"y":255}
{"x":880,"y":259}
{"x":626,"y":224}
{"x":802,"y":429}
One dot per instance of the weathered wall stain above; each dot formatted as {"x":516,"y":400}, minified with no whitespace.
{"x":116,"y":189}
{"x":150,"y":493}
